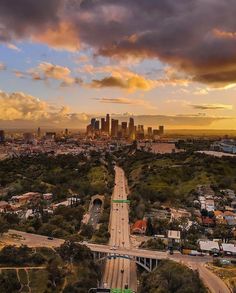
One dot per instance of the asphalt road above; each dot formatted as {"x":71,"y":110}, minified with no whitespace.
{"x":95,"y":214}
{"x":118,"y":271}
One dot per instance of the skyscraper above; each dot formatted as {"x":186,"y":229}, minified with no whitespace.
{"x":161,"y":129}
{"x":108,"y":123}
{"x":103,"y":125}
{"x":96,"y":125}
{"x":149,"y":132}
{"x":39,"y":132}
{"x":131,"y":128}
{"x":93,"y":120}
{"x":124,"y":128}
{"x":114,"y":127}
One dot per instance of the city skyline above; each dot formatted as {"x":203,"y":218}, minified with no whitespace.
{"x":87,"y":58}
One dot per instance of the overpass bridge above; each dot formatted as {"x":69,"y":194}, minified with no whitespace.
{"x":140,"y":256}
{"x":147,"y":259}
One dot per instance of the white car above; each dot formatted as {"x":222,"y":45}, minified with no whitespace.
{"x":113,"y":248}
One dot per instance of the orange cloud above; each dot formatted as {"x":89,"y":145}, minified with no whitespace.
{"x":47,"y":70}
{"x":63,"y":37}
{"x":135,"y":82}
{"x":223,"y":34}
{"x":127,"y":101}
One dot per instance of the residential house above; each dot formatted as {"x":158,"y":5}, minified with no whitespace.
{"x":209,"y":246}
{"x":219,"y":216}
{"x":208,"y":222}
{"x":228,"y":248}
{"x":139,"y":227}
{"x":25,"y":198}
{"x":4,"y":206}
{"x":174,"y":236}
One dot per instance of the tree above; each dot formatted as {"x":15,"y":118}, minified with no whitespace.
{"x":149,"y":230}
{"x":74,"y":252}
{"x":171,"y":277}
{"x":87,"y":231}
{"x":224,"y":232}
{"x":56,"y":274}
{"x":4,"y":226}
{"x":9,"y":282}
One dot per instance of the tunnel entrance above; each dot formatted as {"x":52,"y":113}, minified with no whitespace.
{"x":97,"y":202}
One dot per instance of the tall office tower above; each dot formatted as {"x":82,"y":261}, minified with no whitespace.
{"x":124,"y":128}
{"x":114,"y":127}
{"x":103,"y":124}
{"x":149,"y":132}
{"x":131,"y":128}
{"x":39,"y":132}
{"x":108,"y":123}
{"x":96,"y":125}
{"x":131,"y":125}
{"x":140,"y":128}
{"x":161,"y":129}
{"x":2,"y":136}
{"x":93,"y":120}
{"x":66,"y":132}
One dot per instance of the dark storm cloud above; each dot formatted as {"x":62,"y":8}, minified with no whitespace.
{"x":195,"y":36}
{"x":19,"y":18}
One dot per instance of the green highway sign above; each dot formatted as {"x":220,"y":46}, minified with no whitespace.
{"x":121,"y":201}
{"x":121,"y":291}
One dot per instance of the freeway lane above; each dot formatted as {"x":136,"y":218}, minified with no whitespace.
{"x":117,"y":271}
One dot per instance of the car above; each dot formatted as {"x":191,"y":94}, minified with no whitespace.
{"x":113,"y":248}
{"x":50,"y":238}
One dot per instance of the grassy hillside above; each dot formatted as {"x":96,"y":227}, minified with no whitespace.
{"x":174,"y":178}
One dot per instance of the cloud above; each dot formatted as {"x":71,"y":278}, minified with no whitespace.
{"x":13,"y":47}
{"x":178,"y":33}
{"x":21,"y":106}
{"x":195,"y":37}
{"x":2,"y":67}
{"x":135,"y":82}
{"x":64,"y":37}
{"x":127,"y":101}
{"x":22,"y":110}
{"x":46,"y":71}
{"x":212,"y":107}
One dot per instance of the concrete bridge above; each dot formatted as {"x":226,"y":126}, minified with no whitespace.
{"x":146,"y":263}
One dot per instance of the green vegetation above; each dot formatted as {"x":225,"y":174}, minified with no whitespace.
{"x":23,"y":255}
{"x":172,"y":179}
{"x":68,"y":269}
{"x":62,"y":175}
{"x":171,"y":277}
{"x":9,"y":282}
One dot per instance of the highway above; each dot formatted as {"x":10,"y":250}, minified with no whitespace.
{"x":121,"y":272}
{"x":117,"y":272}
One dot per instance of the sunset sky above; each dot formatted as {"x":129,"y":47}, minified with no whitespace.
{"x":165,"y":61}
